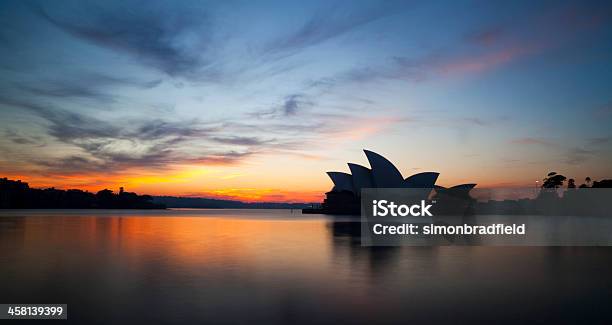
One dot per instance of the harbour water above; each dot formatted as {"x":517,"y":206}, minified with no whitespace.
{"x":279,"y":266}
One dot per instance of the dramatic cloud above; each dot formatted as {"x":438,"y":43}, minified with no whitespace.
{"x":115,"y":145}
{"x":109,"y":146}
{"x":144,"y":88}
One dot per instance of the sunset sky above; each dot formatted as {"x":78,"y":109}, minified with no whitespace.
{"x":256,"y":100}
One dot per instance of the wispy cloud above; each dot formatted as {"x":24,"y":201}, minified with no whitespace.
{"x":570,"y":154}
{"x":19,"y":138}
{"x":532,"y":141}
{"x":293,"y":103}
{"x":475,"y":121}
{"x":119,"y":144}
{"x":603,"y":111}
{"x":487,"y":36}
{"x":577,"y":156}
{"x":110,"y":146}
{"x":174,"y":40}
{"x":327,"y":24}
{"x":117,"y":86}
{"x":481,"y":50}
{"x":591,"y":148}
{"x":599,"y":141}
{"x":241,"y":140}
{"x":290,"y":105}
{"x":85,"y":85}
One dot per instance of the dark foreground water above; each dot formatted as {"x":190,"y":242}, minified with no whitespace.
{"x":262,"y":266}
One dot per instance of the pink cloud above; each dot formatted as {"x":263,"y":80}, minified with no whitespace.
{"x":483,"y":62}
{"x":496,"y":46}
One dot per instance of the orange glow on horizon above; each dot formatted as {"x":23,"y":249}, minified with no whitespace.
{"x":278,"y":178}
{"x":156,"y":185}
{"x":161,"y":185}
{"x":262,"y":195}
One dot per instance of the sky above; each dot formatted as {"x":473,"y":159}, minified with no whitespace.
{"x":256,"y":100}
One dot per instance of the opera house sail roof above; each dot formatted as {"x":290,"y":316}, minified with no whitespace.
{"x":383,"y":174}
{"x":342,"y":181}
{"x":345,"y":196}
{"x":362,"y":177}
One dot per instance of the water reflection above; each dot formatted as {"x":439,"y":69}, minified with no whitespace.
{"x":225,"y":267}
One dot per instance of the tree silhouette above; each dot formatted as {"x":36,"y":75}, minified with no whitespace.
{"x":571,"y":183}
{"x":18,"y":195}
{"x":587,"y":183}
{"x":553,"y":180}
{"x":604,"y":183}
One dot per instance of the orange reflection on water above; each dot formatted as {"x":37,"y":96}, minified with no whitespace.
{"x":188,"y":242}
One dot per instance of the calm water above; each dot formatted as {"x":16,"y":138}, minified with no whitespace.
{"x":224,"y":266}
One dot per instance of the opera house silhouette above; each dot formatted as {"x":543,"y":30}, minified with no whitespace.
{"x":345,"y":196}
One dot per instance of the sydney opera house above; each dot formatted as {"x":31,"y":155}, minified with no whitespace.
{"x":344,"y":197}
